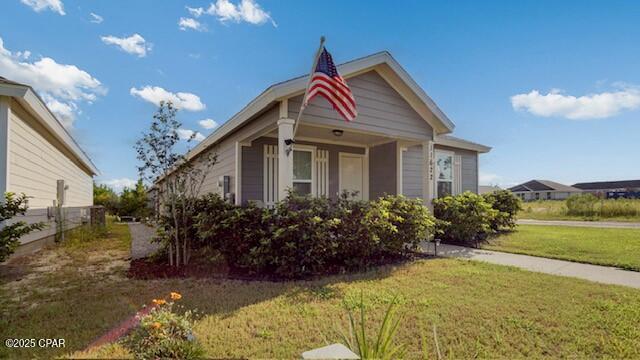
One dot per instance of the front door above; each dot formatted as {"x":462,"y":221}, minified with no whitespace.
{"x":351,"y":177}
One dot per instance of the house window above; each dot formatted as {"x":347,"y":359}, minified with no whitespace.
{"x":302,"y":174}
{"x":444,"y":174}
{"x":537,"y":196}
{"x":548,"y":196}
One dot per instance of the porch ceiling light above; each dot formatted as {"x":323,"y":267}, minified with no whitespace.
{"x":337,"y":132}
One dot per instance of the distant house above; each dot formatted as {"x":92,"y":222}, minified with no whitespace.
{"x":39,"y":158}
{"x":484,"y":189}
{"x":611,"y":189}
{"x":543,"y":190}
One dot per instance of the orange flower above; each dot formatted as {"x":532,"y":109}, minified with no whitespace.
{"x":156,"y":325}
{"x":175,"y":296}
{"x":159,"y":301}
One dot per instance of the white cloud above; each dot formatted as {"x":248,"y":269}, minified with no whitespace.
{"x":208,"y":123}
{"x":244,"y":11}
{"x":134,"y":44}
{"x":187,"y":134}
{"x":489,"y":179}
{"x":118,"y":184}
{"x":95,"y":18}
{"x":190,"y":23}
{"x":64,"y":111}
{"x":62,"y":86}
{"x":181,"y":100}
{"x":195,"y":12}
{"x":40,"y":5}
{"x":591,"y":106}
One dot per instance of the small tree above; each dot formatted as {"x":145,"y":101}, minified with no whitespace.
{"x":10,"y":234}
{"x":179,"y":181}
{"x":133,"y":202}
{"x":105,"y":196}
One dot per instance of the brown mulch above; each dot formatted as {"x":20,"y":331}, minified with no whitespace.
{"x":158,"y":268}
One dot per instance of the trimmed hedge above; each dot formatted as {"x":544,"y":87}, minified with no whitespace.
{"x":507,"y":205}
{"x":306,"y":236}
{"x":468,"y":218}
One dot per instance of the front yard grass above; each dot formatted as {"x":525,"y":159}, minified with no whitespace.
{"x":479,"y":310}
{"x":601,"y":246}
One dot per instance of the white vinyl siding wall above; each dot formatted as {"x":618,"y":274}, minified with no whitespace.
{"x":37,"y":160}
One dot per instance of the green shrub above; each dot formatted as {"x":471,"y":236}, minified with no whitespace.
{"x":164,"y":334}
{"x":306,"y":236}
{"x":399,"y":224}
{"x":11,"y":233}
{"x":582,"y":205}
{"x":507,"y":205}
{"x":464,"y":218}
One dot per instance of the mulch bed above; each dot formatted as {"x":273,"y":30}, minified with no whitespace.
{"x":158,"y":268}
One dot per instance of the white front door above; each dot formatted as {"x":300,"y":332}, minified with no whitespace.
{"x":352,"y":174}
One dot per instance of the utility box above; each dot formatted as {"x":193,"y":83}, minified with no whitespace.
{"x":61,"y":190}
{"x":98,"y":215}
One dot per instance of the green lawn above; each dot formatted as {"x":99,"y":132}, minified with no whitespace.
{"x":602,"y":246}
{"x":557,"y":210}
{"x":479,"y":310}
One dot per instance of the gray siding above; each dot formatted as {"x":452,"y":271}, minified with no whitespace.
{"x":412,"y":172}
{"x":380,"y":109}
{"x":226,"y":150}
{"x":382,"y":170}
{"x":470,"y":172}
{"x":469,"y":167}
{"x":253,"y":166}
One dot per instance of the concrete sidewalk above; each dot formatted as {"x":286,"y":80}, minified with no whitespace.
{"x":596,"y":224}
{"x":601,"y":274}
{"x":141,"y":236}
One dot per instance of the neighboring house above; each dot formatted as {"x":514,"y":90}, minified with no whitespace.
{"x":36,"y":153}
{"x":611,"y":189}
{"x":543,"y":190}
{"x":485,"y":189}
{"x":398,"y":144}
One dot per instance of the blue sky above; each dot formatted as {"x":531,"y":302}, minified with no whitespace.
{"x":553,"y":87}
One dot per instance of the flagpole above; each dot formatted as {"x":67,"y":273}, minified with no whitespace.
{"x":313,"y":69}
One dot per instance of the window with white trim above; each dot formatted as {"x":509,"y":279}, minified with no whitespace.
{"x":444,"y":174}
{"x":302,"y":171}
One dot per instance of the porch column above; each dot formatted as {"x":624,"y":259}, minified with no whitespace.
{"x":285,"y":163}
{"x":428,"y":173}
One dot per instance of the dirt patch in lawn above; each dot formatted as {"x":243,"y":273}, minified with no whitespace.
{"x":33,"y":273}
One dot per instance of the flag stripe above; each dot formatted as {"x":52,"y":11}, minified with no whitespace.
{"x":338,"y":108}
{"x":339,"y":85}
{"x":335,"y":100}
{"x":326,"y":82}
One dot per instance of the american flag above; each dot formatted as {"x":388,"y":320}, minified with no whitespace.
{"x":326,"y":82}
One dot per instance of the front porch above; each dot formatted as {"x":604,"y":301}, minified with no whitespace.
{"x":324,"y":161}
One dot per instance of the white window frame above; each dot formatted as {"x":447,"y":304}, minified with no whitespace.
{"x":311,"y":149}
{"x":453,"y":171}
